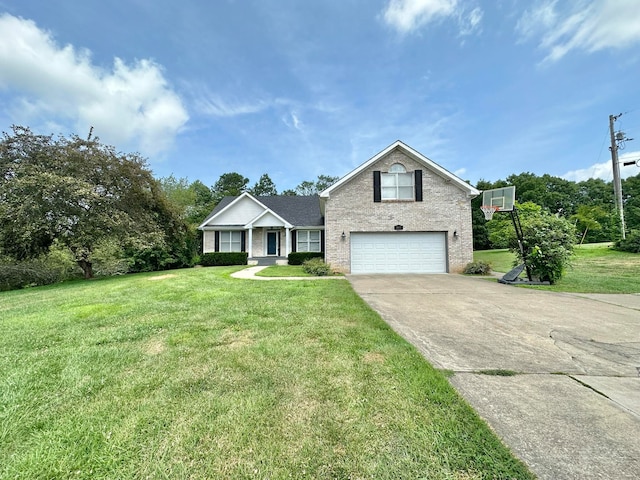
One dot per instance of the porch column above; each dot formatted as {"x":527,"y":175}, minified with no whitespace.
{"x":250,"y":243}
{"x":287,"y":241}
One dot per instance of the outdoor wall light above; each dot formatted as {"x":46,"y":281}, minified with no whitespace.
{"x":343,"y":235}
{"x":455,"y":234}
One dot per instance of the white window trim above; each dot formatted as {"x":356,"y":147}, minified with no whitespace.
{"x":229,"y":244}
{"x":307,"y":241}
{"x":395,"y":172}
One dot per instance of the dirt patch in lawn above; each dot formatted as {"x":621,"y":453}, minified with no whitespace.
{"x":373,"y":357}
{"x":155,"y":347}
{"x":162,"y":277}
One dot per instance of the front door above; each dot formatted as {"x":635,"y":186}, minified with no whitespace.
{"x":272,"y":243}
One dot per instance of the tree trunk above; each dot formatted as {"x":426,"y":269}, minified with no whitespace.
{"x":87,"y":268}
{"x":584,"y":235}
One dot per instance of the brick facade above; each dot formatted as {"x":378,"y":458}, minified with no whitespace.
{"x":445,"y":208}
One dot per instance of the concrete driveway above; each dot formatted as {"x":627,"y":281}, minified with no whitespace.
{"x":573,"y":409}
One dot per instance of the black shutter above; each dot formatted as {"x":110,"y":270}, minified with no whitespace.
{"x":294,"y":240}
{"x":377,"y":191}
{"x":243,"y":241}
{"x":322,"y":241}
{"x":216,"y":242}
{"x":418,"y":174}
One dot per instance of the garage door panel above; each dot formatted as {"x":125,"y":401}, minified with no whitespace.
{"x":398,"y":252}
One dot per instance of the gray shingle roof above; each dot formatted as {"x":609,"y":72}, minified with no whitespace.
{"x":299,"y":211}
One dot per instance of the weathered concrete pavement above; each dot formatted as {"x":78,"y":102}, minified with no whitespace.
{"x":572,"y":411}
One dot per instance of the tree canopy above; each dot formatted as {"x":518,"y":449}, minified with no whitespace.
{"x":588,"y":204}
{"x":309,"y":187}
{"x":264,"y":187}
{"x":78,"y":193}
{"x":229,"y":184}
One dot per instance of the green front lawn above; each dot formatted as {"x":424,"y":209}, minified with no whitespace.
{"x":283,"y":271}
{"x":594,"y":268}
{"x":501,"y":260}
{"x":193,"y":374}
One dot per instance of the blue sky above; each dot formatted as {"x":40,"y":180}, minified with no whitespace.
{"x":296,"y":88}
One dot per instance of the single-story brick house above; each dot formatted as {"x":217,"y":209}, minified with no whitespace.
{"x":398,"y":212}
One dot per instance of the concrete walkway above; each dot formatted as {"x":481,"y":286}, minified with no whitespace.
{"x":571,"y":409}
{"x":250,"y":274}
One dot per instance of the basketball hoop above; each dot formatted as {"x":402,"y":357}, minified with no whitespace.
{"x":489,"y":210}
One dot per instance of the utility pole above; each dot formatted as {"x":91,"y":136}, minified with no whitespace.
{"x":617,"y":183}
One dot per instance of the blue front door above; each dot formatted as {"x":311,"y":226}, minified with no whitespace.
{"x":272,"y":243}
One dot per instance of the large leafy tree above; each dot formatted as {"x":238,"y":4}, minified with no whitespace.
{"x":554,"y":194}
{"x":229,"y":184}
{"x":309,"y":187}
{"x":588,"y":219}
{"x":178,"y":192}
{"x":264,"y":187}
{"x":192,"y":200}
{"x":78,"y":193}
{"x":565,"y":198}
{"x":479,"y":224}
{"x":631,"y":193}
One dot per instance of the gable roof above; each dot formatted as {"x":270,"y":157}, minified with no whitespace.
{"x":300,"y":211}
{"x":415,"y":155}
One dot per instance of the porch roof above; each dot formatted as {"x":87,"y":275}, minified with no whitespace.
{"x":295,"y":210}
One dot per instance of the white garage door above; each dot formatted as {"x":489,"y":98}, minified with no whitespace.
{"x":398,"y":252}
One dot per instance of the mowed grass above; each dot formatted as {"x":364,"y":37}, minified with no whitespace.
{"x":193,"y":374}
{"x":501,"y":260}
{"x":286,"y":271}
{"x":594,"y":268}
{"x":283,"y":271}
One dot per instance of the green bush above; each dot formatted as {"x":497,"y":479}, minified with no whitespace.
{"x":222,"y":259}
{"x":479,"y":267}
{"x":108,"y":259}
{"x":630,"y":244}
{"x":298,"y":258}
{"x":500,"y":229}
{"x":548,"y":245}
{"x":55,"y":267}
{"x":316,"y":266}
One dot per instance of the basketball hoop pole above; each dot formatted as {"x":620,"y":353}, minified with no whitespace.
{"x":515,"y":218}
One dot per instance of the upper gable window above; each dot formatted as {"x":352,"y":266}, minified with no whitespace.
{"x":397,"y":168}
{"x":397,"y":184}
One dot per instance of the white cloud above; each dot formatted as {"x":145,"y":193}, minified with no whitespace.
{"x":408,"y":15}
{"x":470,"y":23}
{"x":460,"y":173}
{"x":127,"y":104}
{"x":297,"y":123}
{"x":214,"y":105}
{"x":604,"y":171}
{"x":584,"y":25}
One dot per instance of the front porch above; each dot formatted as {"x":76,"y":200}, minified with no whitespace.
{"x":267,"y":261}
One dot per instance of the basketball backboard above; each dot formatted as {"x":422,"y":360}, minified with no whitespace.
{"x":502,"y":198}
